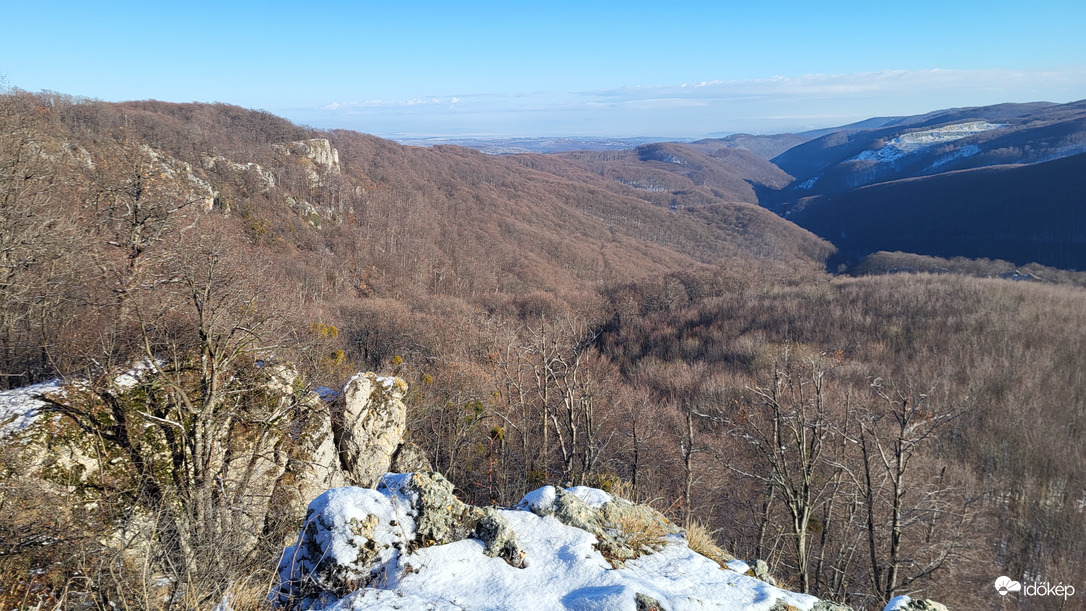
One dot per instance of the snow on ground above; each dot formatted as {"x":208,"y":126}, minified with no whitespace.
{"x":133,"y":376}
{"x":20,"y":407}
{"x":564,"y":572}
{"x":912,"y":142}
{"x":966,"y":151}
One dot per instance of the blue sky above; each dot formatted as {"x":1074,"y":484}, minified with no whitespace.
{"x":673,"y":69}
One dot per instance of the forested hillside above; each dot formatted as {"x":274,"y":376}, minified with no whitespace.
{"x":997,"y":182}
{"x":632,"y":321}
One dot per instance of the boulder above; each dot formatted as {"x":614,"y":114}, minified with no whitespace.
{"x":349,"y":539}
{"x":623,"y":530}
{"x":647,"y":603}
{"x":501,"y":542}
{"x":907,"y":603}
{"x":368,"y":420}
{"x":761,"y":571}
{"x":355,"y":537}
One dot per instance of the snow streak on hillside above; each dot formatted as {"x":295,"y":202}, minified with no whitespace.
{"x":917,"y":141}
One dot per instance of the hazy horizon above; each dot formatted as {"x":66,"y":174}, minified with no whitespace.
{"x":488,"y":69}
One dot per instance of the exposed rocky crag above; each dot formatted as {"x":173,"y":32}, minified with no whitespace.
{"x":349,"y":441}
{"x":410,"y":544}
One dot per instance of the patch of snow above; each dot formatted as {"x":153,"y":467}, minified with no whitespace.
{"x":566,"y":572}
{"x":386,"y":382}
{"x":912,"y":142}
{"x":807,"y":184}
{"x":966,"y":151}
{"x":133,"y":376}
{"x":19,"y":407}
{"x":540,"y":500}
{"x":897,"y":603}
{"x":395,"y":485}
{"x":326,"y":394}
{"x":593,"y":497}
{"x":886,"y":154}
{"x":738,"y":566}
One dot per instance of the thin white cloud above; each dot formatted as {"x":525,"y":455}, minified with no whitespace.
{"x":866,"y":83}
{"x":770,"y":105}
{"x":354,"y":106}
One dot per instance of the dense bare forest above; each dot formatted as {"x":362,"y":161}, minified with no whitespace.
{"x":557,"y":321}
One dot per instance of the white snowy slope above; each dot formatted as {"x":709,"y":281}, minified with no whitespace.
{"x":563,"y":569}
{"x":912,"y":142}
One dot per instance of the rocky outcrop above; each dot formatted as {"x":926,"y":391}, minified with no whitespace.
{"x":907,"y":603}
{"x":411,"y":544}
{"x":321,"y":158}
{"x":368,"y":421}
{"x":180,"y":179}
{"x":442,"y":518}
{"x":623,"y":530}
{"x":222,"y":164}
{"x":350,"y":441}
{"x":761,"y":572}
{"x":356,"y":537}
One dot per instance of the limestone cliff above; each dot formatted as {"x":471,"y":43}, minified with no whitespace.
{"x":271,"y":470}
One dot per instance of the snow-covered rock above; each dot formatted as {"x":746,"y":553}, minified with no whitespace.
{"x":356,"y":537}
{"x":404,"y":565}
{"x":906,"y":603}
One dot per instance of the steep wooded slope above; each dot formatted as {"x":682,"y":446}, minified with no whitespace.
{"x":336,"y":215}
{"x":1023,"y":214}
{"x":933,"y":143}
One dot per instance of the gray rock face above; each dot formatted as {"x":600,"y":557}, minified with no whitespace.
{"x":647,"y":603}
{"x":368,"y":426}
{"x":572,"y":511}
{"x":501,"y":542}
{"x":761,"y":571}
{"x":622,"y":529}
{"x":440,"y":517}
{"x":409,"y":458}
{"x":321,"y":156}
{"x":355,"y":537}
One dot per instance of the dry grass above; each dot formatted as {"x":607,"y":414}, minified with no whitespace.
{"x":249,"y":594}
{"x":703,"y":541}
{"x":641,"y":531}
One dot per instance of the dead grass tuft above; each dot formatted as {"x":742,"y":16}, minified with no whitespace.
{"x":703,"y":541}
